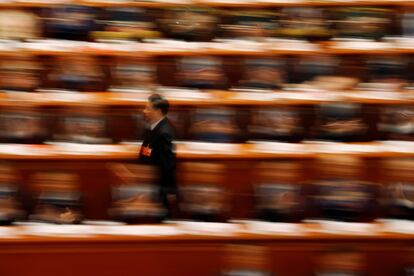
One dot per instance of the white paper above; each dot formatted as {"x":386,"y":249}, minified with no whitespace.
{"x":74,"y":148}
{"x":211,"y":147}
{"x":276,"y":147}
{"x":380,"y":95}
{"x":123,"y":46}
{"x":209,"y":228}
{"x":7,"y":232}
{"x":183,"y":94}
{"x":397,"y":226}
{"x":363,"y":45}
{"x":237,"y":44}
{"x":70,"y":96}
{"x":310,"y":94}
{"x":255,"y":96}
{"x":339,"y":227}
{"x":16,"y":149}
{"x":57,"y":230}
{"x":398,"y":146}
{"x":170,"y":46}
{"x":263,"y":227}
{"x":139,"y":230}
{"x":290,"y":44}
{"x":331,"y":147}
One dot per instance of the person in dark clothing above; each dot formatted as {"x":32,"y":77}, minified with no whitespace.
{"x":157,"y":148}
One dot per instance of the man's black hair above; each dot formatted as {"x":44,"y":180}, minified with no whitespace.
{"x":159,"y":102}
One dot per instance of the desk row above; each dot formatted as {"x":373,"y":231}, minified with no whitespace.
{"x":315,"y":72}
{"x":334,"y":187}
{"x":341,"y":122}
{"x":204,"y":24}
{"x":237,"y":255}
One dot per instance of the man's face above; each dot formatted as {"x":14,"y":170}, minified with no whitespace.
{"x":151,"y":114}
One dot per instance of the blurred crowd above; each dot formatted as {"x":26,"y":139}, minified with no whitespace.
{"x":340,"y":188}
{"x":66,"y":24}
{"x":334,"y":122}
{"x":204,"y":24}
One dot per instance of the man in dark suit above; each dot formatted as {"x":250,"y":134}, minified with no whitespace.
{"x":157,"y":148}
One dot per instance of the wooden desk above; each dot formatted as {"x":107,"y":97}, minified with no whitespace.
{"x":252,"y":4}
{"x":190,"y":255}
{"x":239,"y":160}
{"x":212,"y":98}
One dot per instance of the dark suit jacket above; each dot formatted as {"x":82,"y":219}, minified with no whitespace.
{"x":157,"y":149}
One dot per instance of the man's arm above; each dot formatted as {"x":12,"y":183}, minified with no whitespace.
{"x":166,"y":160}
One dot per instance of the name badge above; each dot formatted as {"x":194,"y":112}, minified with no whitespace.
{"x":146,"y":151}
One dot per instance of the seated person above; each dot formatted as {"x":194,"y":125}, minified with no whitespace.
{"x":307,"y":23}
{"x":278,"y":202}
{"x":69,"y":22}
{"x":135,"y":196}
{"x":281,"y":124}
{"x":262,"y":74}
{"x":10,"y":205}
{"x":400,"y":203}
{"x":58,"y":198}
{"x":279,"y":196}
{"x":133,"y":75}
{"x":344,"y":199}
{"x":214,"y":125}
{"x":371,"y":23}
{"x":19,"y":25}
{"x":83,"y":126}
{"x":398,"y":192}
{"x":189,"y":24}
{"x":340,"y":193}
{"x":387,"y":72}
{"x":77,"y":73}
{"x":308,"y":68}
{"x":23,"y":125}
{"x":250,"y":24}
{"x":126,"y":24}
{"x":203,"y":196}
{"x":19,"y":74}
{"x":203,"y":202}
{"x":407,"y":22}
{"x":201,"y":73}
{"x":341,"y":122}
{"x":396,"y":123}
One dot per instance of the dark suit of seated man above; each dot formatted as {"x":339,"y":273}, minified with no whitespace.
{"x":157,"y":148}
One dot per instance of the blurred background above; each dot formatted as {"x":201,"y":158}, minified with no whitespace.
{"x":294,"y":125}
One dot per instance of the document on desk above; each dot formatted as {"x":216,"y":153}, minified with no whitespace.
{"x":9,"y":232}
{"x":76,"y":148}
{"x":278,"y":147}
{"x":18,"y":149}
{"x":183,"y":93}
{"x":205,"y":147}
{"x":344,"y":228}
{"x":398,"y":146}
{"x":58,"y":230}
{"x":69,"y":96}
{"x":333,"y":147}
{"x":209,"y":228}
{"x":272,"y":228}
{"x":139,"y":230}
{"x":249,"y":95}
{"x":363,"y":45}
{"x":397,"y":226}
